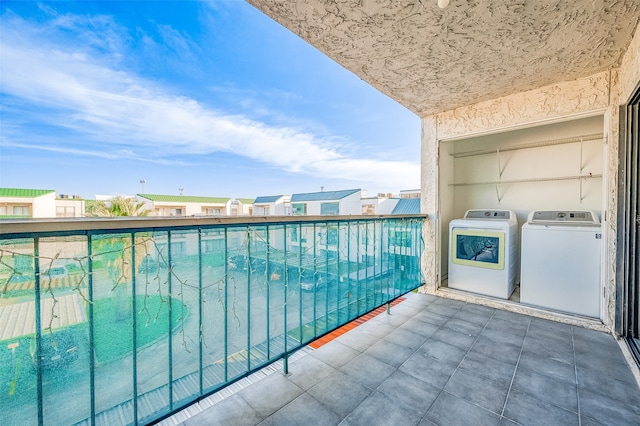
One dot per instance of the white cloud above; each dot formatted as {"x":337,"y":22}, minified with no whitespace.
{"x":120,"y":114}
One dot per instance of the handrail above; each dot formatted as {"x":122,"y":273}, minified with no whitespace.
{"x":12,"y":227}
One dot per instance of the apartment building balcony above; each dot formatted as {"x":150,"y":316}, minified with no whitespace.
{"x":244,"y":321}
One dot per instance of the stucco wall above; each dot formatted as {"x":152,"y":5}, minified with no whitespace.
{"x":598,"y":94}
{"x":44,"y":206}
{"x":630,"y":68}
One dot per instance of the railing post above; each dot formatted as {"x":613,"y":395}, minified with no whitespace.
{"x":92,"y":361}
{"x":134,"y":326}
{"x":38,"y":330}
{"x":170,"y":312}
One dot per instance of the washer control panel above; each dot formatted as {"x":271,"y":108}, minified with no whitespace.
{"x":573,"y":217}
{"x":488,"y":214}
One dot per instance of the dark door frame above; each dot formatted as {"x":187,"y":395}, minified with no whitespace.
{"x":627,"y":322}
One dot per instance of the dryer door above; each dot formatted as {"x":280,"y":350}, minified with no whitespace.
{"x":480,"y":248}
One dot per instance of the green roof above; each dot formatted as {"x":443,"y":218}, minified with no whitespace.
{"x":246,"y":200}
{"x":183,"y":198}
{"x":26,"y":193}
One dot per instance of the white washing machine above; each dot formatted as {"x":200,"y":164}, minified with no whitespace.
{"x":483,"y":252}
{"x":561,"y":261}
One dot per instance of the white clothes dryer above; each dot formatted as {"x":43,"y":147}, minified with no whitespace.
{"x":483,"y":252}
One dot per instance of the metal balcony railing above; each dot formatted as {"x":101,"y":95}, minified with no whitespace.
{"x":108,"y":321}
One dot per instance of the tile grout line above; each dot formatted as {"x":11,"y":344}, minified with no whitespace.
{"x":513,"y":377}
{"x":415,"y":351}
{"x":575,"y":370}
{"x":372,"y":315}
{"x":463,"y":358}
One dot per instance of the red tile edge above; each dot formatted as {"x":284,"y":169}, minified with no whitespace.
{"x":351,"y":325}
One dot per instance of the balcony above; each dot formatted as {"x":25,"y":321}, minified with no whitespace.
{"x":438,"y":361}
{"x":129,"y":321}
{"x":276,"y":321}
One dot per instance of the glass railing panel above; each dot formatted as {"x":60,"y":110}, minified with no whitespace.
{"x":18,"y":361}
{"x":187,"y":260}
{"x":334,"y":257}
{"x":113,"y":325}
{"x":276,"y":296}
{"x":291,"y":284}
{"x":223,"y":268}
{"x":64,"y":337}
{"x":150,"y":302}
{"x":306,"y":279}
{"x":231,"y":342}
{"x":256,"y":350}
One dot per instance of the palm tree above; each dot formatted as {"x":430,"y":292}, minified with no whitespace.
{"x":117,"y":206}
{"x":117,"y":252}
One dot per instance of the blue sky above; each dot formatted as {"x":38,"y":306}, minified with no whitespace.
{"x":212,"y":97}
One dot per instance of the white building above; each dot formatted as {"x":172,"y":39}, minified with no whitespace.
{"x":327,"y":203}
{"x":272,"y":205}
{"x":27,"y":203}
{"x":242,"y":207}
{"x":380,"y":204}
{"x":183,"y":205}
{"x":70,"y":206}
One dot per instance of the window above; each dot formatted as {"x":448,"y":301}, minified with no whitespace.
{"x":212,"y":211}
{"x":3,"y":210}
{"x":332,"y":236}
{"x":368,"y":209}
{"x":178,"y":249}
{"x":169,"y":211}
{"x":299,"y":209}
{"x":214,"y":245}
{"x":329,"y":209}
{"x":21,"y":211}
{"x":65,"y":211}
{"x":262,"y":210}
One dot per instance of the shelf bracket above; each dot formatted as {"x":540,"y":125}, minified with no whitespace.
{"x":581,"y":162}
{"x":499,"y":164}
{"x":498,"y":193}
{"x":583,"y":178}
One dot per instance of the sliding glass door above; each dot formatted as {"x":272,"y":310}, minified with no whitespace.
{"x":628,"y":260}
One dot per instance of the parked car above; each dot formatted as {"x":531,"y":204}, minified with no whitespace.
{"x":150,"y":265}
{"x":311,"y":281}
{"x":237,"y":262}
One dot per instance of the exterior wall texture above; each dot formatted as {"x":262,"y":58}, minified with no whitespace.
{"x":44,"y":206}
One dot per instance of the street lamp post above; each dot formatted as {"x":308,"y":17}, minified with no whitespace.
{"x":142,"y":182}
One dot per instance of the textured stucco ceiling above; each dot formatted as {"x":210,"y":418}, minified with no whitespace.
{"x":432,"y":60}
